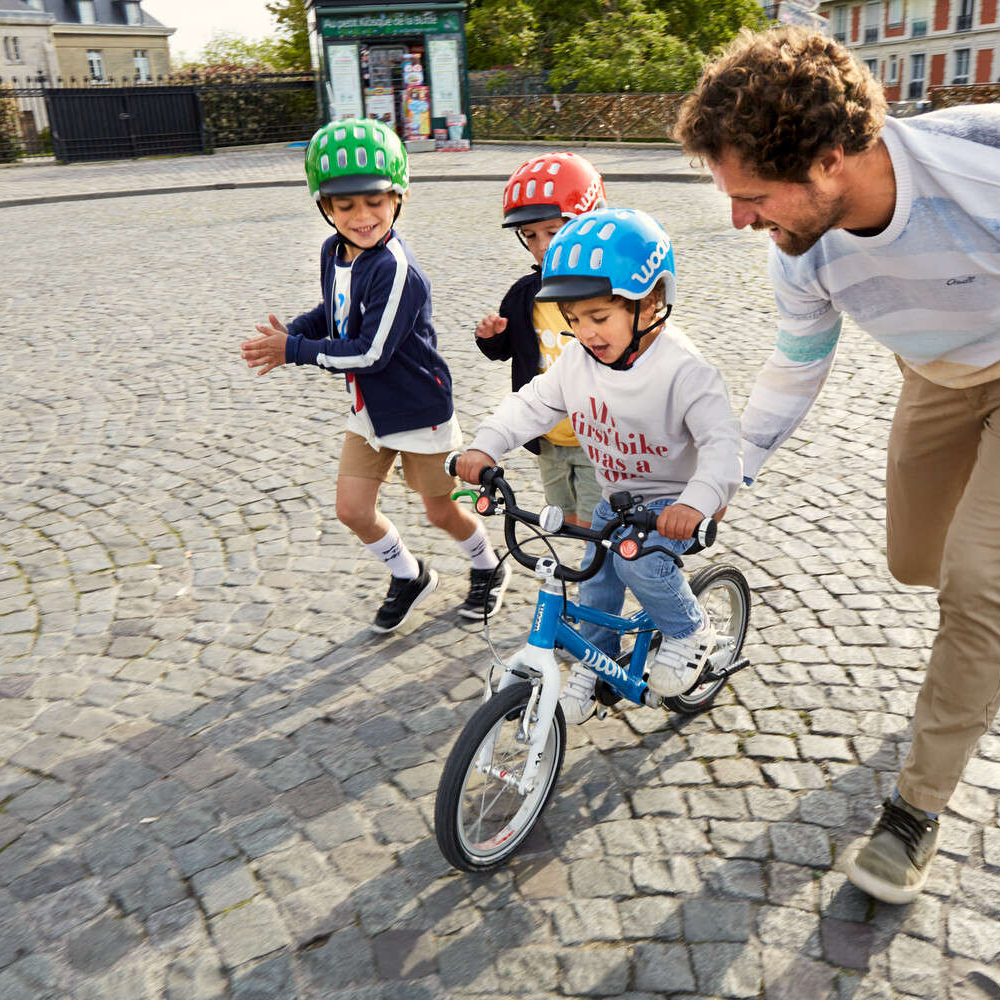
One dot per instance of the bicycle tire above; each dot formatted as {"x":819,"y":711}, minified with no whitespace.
{"x":731,"y":623}
{"x":452,"y":826}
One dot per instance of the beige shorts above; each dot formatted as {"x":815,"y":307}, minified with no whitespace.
{"x":424,"y":474}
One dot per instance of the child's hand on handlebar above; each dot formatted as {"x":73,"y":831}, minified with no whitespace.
{"x":471,"y":463}
{"x":678,"y":521}
{"x":490,"y":326}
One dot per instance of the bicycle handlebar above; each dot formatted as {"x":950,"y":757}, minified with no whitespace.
{"x":630,"y":510}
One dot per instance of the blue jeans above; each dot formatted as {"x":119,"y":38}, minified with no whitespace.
{"x":659,"y":586}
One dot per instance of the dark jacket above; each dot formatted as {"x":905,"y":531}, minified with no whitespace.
{"x":389,"y":343}
{"x":519,"y":342}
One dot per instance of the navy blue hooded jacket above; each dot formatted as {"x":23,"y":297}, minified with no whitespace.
{"x":389,"y":345}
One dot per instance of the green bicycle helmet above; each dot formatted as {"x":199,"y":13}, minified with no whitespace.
{"x":356,"y":156}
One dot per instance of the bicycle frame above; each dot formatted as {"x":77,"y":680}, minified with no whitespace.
{"x":549,"y":629}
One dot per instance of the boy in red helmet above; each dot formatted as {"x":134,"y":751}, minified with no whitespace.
{"x":540,"y":196}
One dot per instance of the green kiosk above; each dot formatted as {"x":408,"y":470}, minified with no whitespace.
{"x":403,"y":63}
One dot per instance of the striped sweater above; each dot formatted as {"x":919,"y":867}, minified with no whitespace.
{"x":927,"y":287}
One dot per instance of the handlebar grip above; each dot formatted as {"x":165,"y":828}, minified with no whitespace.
{"x":705,"y":533}
{"x":451,"y":461}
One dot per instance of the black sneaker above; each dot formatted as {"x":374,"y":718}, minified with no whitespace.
{"x":893,"y":866}
{"x":485,"y":591}
{"x":403,"y":596}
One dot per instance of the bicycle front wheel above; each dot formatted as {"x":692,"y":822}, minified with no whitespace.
{"x":724,"y":595}
{"x":480,"y":818}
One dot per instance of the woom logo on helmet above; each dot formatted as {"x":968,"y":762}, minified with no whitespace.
{"x":590,"y":196}
{"x":653,"y":261}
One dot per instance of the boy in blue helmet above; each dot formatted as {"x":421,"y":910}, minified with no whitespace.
{"x":653,"y":416}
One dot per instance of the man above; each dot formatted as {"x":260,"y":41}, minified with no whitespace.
{"x":896,"y":224}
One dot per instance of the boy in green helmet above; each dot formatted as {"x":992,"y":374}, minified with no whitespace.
{"x":374,"y":326}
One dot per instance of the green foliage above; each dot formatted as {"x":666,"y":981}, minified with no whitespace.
{"x":709,"y":24}
{"x":629,"y":48}
{"x":227,"y":49}
{"x":292,"y":44}
{"x":606,"y":44}
{"x":503,"y":33}
{"x":10,"y":144}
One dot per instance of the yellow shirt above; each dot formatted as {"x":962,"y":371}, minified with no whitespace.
{"x":550,"y":328}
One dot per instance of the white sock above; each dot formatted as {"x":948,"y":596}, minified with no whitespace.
{"x":477,"y":547}
{"x":391,"y":550}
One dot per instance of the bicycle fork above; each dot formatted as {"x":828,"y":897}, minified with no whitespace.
{"x":535,"y":658}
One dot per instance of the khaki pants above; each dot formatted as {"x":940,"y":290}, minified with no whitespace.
{"x":943,"y":522}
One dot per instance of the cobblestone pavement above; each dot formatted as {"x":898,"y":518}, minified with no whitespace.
{"x":282,"y":165}
{"x":215,"y":781}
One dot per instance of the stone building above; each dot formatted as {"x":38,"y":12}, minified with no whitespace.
{"x":27,"y":49}
{"x":912,"y":45}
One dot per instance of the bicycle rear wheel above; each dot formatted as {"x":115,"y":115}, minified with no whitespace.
{"x":724,"y":595}
{"x":480,"y":819}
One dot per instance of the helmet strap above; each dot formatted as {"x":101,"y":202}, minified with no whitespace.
{"x":628,"y":356}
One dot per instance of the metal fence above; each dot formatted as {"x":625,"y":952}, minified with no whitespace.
{"x":128,"y":117}
{"x":566,"y":117}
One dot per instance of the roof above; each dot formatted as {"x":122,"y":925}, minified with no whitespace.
{"x":20,"y":7}
{"x":106,"y":12}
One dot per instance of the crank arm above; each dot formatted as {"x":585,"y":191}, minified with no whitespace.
{"x":712,"y":675}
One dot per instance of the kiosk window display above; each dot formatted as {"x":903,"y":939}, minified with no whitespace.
{"x":403,"y":64}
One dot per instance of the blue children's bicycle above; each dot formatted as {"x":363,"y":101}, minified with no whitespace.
{"x":503,"y":767}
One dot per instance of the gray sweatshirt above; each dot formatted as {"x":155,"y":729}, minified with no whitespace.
{"x":664,"y":428}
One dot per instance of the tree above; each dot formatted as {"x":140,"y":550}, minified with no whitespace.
{"x":501,"y":33}
{"x":224,"y":48}
{"x":292,"y":45}
{"x":628,"y":48}
{"x":708,"y":24}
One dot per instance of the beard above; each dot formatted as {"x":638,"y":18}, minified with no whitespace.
{"x":829,"y":212}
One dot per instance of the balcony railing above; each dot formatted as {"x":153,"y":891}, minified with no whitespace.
{"x":840,"y":36}
{"x":963,"y":22}
{"x":916,"y":90}
{"x":871,"y":35}
{"x":918,"y":29}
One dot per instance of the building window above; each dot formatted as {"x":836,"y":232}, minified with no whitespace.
{"x":85,"y":11}
{"x":840,"y":23}
{"x":872,"y":13}
{"x":964,"y":21}
{"x":961,"y":66}
{"x":872,"y":65}
{"x":895,"y":12}
{"x":12,"y":48}
{"x":918,"y":18}
{"x":95,"y":61}
{"x":893,"y":70}
{"x":141,"y":60}
{"x":916,"y":90}
{"x":133,"y":15}
{"x":37,"y":4}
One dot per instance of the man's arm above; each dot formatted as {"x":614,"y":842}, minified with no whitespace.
{"x":791,"y":379}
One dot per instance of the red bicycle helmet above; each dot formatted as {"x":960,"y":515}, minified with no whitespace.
{"x":552,"y":186}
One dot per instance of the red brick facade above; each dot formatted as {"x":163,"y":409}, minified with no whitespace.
{"x":988,"y":12}
{"x":941,"y":10}
{"x":937,"y":69}
{"x":855,"y":24}
{"x":984,"y":65}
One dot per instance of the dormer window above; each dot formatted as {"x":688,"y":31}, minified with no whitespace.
{"x":85,"y":11}
{"x":133,"y":15}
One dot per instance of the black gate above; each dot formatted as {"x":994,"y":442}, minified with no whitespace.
{"x":91,"y":123}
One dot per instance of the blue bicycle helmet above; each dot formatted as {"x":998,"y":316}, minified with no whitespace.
{"x":611,"y":251}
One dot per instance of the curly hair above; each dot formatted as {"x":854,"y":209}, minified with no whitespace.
{"x":779,"y":99}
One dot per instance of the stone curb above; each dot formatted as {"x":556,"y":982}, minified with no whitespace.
{"x":688,"y":178}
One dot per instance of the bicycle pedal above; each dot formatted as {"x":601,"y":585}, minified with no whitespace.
{"x":601,"y":712}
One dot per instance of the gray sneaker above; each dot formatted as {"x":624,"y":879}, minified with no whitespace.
{"x":893,"y":866}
